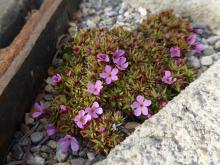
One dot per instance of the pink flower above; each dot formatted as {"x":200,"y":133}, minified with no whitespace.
{"x":191,"y":39}
{"x":82,"y":118}
{"x":103,"y":57}
{"x":67,"y":141}
{"x":57,"y":78}
{"x":110,"y":74}
{"x":39,"y":110}
{"x":140,"y":106}
{"x":63,"y":108}
{"x":94,"y":88}
{"x":102,"y":129}
{"x":121,"y":63}
{"x":167,"y":78}
{"x":94,"y":111}
{"x":117,"y":54}
{"x":199,"y":48}
{"x":51,"y":129}
{"x":167,"y":36}
{"x":175,"y":52}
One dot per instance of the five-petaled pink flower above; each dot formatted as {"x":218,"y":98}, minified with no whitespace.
{"x":63,"y":108}
{"x":82,"y":118}
{"x":67,"y":141}
{"x":175,"y":52}
{"x":191,"y":39}
{"x":51,"y":130}
{"x":140,"y":106}
{"x":94,"y":111}
{"x":94,"y":88}
{"x":167,"y":78}
{"x":38,"y":110}
{"x":57,"y":78}
{"x":103,"y":57}
{"x":121,"y":63}
{"x":199,"y":48}
{"x":110,"y":74}
{"x":117,"y":54}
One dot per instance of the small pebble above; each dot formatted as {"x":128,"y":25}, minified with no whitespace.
{"x":36,"y":160}
{"x":78,"y":161}
{"x":52,"y":144}
{"x":91,"y":156}
{"x":28,"y":119}
{"x":142,"y":11}
{"x":36,"y":137}
{"x":206,"y":60}
{"x":90,"y":24}
{"x":213,"y":39}
{"x":131,"y":126}
{"x":209,"y":51}
{"x":194,"y":61}
{"x":65,"y":163}
{"x":217,"y":46}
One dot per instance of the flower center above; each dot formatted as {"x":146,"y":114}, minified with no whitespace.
{"x":141,"y":105}
{"x":81,"y":119}
{"x":110,"y":75}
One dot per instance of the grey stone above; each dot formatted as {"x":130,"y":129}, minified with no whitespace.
{"x":90,"y":24}
{"x":45,"y":148}
{"x":65,"y":163}
{"x":194,"y":61}
{"x":199,"y":25}
{"x":44,"y":155}
{"x":48,"y":88}
{"x":17,"y":152}
{"x":91,"y":155}
{"x":35,"y":149}
{"x":111,"y":13}
{"x":28,"y":119}
{"x":35,"y":160}
{"x":206,"y":60}
{"x":36,"y":137}
{"x":78,"y":161}
{"x":213,"y":39}
{"x":215,"y":56}
{"x":131,"y":126}
{"x":52,"y":144}
{"x":142,"y":11}
{"x":217,"y":46}
{"x":209,"y":51}
{"x":60,"y":156}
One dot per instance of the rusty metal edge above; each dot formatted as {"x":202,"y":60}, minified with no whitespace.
{"x":29,"y":55}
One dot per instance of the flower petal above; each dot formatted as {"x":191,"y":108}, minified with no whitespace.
{"x":74,"y":144}
{"x":140,"y":99}
{"x":145,"y":111}
{"x":95,"y":104}
{"x":147,"y":102}
{"x":134,"y":105}
{"x":114,"y":71}
{"x":137,"y":112}
{"x":108,"y":69}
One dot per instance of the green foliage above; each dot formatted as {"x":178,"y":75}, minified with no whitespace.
{"x":148,"y":57}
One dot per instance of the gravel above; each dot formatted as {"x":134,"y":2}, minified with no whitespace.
{"x":206,"y":60}
{"x":36,"y":137}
